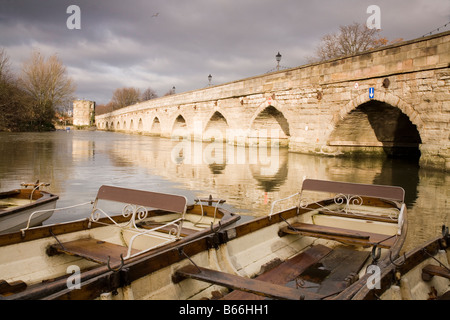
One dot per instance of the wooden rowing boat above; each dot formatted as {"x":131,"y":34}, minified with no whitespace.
{"x":317,"y":249}
{"x":124,"y":225}
{"x":25,"y":207}
{"x":421,"y":274}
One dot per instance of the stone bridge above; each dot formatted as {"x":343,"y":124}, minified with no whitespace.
{"x":394,"y":100}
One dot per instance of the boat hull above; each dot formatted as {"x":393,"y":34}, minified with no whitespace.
{"x":420,"y":274}
{"x":16,"y":216}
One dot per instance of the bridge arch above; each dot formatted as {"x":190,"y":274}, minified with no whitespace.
{"x":383,"y":123}
{"x":155,"y":126}
{"x":179,"y":127}
{"x":269,"y":121}
{"x":386,"y":97}
{"x":216,"y":127}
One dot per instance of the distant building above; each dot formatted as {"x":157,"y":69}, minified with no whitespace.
{"x":83,"y":113}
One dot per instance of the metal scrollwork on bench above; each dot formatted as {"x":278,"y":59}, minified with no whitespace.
{"x":347,"y":200}
{"x":344,"y":204}
{"x":136,"y":214}
{"x":351,"y":204}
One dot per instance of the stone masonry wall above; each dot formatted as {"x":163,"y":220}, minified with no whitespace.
{"x":82,"y":112}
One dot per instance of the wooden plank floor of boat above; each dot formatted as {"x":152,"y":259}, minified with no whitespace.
{"x":334,"y":273}
{"x":285,"y":272}
{"x":330,"y":267}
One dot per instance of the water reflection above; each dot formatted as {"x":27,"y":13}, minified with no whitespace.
{"x":270,"y":182}
{"x":77,"y":163}
{"x":400,"y":172}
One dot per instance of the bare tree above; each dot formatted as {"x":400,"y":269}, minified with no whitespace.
{"x":5,"y":73}
{"x":123,"y":97}
{"x":149,"y":94}
{"x":350,"y":40}
{"x":14,"y":102}
{"x":48,"y":84}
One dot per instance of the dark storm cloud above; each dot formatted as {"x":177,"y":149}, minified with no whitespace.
{"x":165,"y":43}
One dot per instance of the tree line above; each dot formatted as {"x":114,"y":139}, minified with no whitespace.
{"x":29,"y":101}
{"x":127,"y":96}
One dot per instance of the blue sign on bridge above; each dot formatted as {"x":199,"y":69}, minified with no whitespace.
{"x":371,"y":92}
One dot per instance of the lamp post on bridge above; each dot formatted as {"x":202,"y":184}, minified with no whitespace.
{"x":278,"y":58}
{"x":209,"y":80}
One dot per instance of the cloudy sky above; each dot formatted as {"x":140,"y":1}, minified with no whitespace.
{"x":165,"y":43}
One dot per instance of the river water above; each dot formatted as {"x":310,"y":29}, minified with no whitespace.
{"x":77,"y":163}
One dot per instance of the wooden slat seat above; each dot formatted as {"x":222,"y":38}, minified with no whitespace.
{"x":162,"y":201}
{"x":344,"y":235}
{"x":376,"y":191}
{"x":93,"y":249}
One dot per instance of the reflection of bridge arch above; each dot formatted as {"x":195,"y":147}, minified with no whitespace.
{"x":386,"y":122}
{"x":271,"y":180}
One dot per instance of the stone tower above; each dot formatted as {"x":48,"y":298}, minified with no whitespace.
{"x":83,"y":113}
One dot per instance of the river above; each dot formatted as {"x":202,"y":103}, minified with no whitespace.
{"x":77,"y":163}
